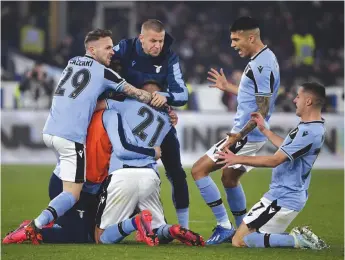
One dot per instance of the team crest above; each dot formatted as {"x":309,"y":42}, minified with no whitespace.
{"x":158,"y":68}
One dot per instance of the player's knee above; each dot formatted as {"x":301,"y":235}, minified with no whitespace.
{"x":229,"y":181}
{"x":198,"y":172}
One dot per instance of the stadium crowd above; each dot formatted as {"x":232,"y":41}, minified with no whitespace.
{"x":305,"y":36}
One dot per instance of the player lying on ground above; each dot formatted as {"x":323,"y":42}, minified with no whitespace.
{"x":257,"y":92}
{"x":265,"y":223}
{"x":102,"y":125}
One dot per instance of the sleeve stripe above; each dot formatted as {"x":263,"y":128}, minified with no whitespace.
{"x":131,"y":147}
{"x":112,"y":76}
{"x":178,"y":76}
{"x":288,"y":155}
{"x":302,"y":151}
{"x":271,"y":81}
{"x":250,"y":75}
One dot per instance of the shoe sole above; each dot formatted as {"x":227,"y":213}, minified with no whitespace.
{"x":143,"y":222}
{"x":181,"y":236}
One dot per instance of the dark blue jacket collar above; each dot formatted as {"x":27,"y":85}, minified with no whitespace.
{"x":168,"y":41}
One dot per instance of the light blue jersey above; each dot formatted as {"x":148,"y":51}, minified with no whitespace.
{"x":138,"y":128}
{"x":261,"y":77}
{"x":291,"y":179}
{"x":75,"y":98}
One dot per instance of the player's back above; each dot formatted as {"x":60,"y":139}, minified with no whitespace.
{"x":291,"y":179}
{"x":261,"y":77}
{"x":139,"y":126}
{"x":149,"y":126}
{"x":75,"y":97}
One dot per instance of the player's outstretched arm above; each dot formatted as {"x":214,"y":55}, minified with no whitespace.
{"x":138,"y":94}
{"x":275,"y":139}
{"x":221,"y":82}
{"x":228,"y":158}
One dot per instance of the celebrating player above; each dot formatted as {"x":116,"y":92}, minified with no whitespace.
{"x":74,"y":102}
{"x":265,"y":223}
{"x":257,"y":92}
{"x":149,"y":58}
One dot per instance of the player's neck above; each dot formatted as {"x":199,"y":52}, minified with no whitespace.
{"x":257,"y":48}
{"x":311,"y":116}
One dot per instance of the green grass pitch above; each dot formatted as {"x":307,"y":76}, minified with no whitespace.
{"x":25,"y":194}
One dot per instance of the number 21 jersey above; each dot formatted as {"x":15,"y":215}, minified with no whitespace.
{"x":75,"y":97}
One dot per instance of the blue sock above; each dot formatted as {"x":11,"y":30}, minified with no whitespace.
{"x":183,"y":217}
{"x":57,"y":207}
{"x":163,"y":232}
{"x":269,"y":240}
{"x":115,"y":233}
{"x":209,"y":191}
{"x":237,"y":203}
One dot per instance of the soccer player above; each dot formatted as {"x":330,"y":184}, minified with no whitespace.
{"x":135,"y":183}
{"x":74,"y":102}
{"x":257,"y":92}
{"x":265,"y":223}
{"x":149,"y":58}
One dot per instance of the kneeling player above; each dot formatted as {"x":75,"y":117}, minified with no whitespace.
{"x":265,"y":223}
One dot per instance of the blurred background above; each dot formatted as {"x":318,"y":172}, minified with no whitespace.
{"x":38,"y":38}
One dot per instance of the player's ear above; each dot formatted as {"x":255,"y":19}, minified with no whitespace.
{"x":141,"y":37}
{"x":309,"y":101}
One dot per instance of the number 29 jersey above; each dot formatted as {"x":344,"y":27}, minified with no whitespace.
{"x":75,"y":97}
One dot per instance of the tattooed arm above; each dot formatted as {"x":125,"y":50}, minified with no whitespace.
{"x":263,"y":104}
{"x":138,"y":94}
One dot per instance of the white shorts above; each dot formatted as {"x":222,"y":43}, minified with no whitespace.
{"x":242,"y":147}
{"x":128,"y":189}
{"x":71,"y":158}
{"x":267,"y":217}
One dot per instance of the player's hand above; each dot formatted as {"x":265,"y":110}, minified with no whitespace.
{"x":218,"y":79}
{"x":173,"y":116}
{"x":233,"y":138}
{"x":226,"y":157}
{"x":259,"y":120}
{"x":158,"y":152}
{"x":158,"y":100}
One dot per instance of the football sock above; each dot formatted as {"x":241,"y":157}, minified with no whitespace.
{"x":209,"y":191}
{"x":269,"y":240}
{"x":237,"y":203}
{"x":115,"y":233}
{"x":56,"y":208}
{"x":183,"y":217}
{"x":163,"y":232}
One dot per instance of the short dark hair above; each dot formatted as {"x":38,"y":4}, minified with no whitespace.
{"x":96,"y":35}
{"x":317,"y":90}
{"x":153,"y":24}
{"x":244,"y":23}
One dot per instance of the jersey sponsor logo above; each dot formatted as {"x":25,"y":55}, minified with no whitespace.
{"x":158,"y":68}
{"x":305,"y":133}
{"x":293,"y":133}
{"x":260,"y":68}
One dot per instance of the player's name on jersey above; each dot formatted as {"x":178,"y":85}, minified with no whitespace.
{"x":81,"y":62}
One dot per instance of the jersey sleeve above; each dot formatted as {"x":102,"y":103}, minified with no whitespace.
{"x":178,"y":92}
{"x":121,"y":147}
{"x":300,"y":145}
{"x":113,"y":80}
{"x":263,"y":78}
{"x":118,"y":106}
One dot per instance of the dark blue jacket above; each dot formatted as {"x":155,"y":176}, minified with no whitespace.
{"x":137,"y":68}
